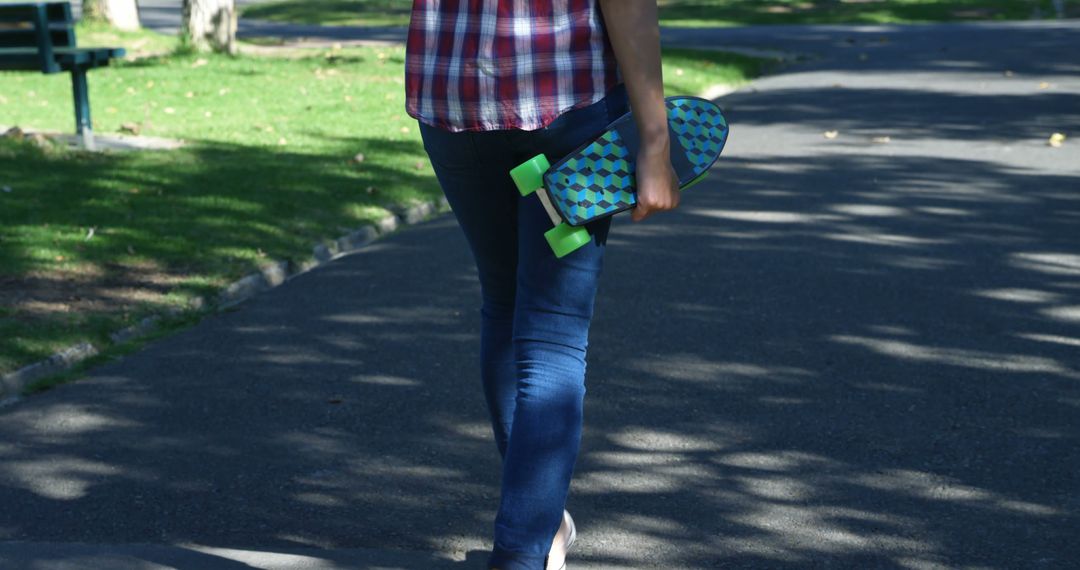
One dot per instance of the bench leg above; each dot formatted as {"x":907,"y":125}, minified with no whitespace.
{"x":83,"y":126}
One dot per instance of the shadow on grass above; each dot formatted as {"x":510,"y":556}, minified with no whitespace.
{"x":169,"y":226}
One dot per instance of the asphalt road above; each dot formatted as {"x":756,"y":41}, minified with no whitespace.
{"x":161,"y":15}
{"x":838,"y":353}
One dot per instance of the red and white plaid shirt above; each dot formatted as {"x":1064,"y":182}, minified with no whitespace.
{"x":480,"y":65}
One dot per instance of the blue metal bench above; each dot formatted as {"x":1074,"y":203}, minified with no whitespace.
{"x":40,"y":36}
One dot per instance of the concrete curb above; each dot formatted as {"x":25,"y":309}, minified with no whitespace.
{"x":268,"y":276}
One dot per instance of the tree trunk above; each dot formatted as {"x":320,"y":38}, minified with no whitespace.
{"x":210,"y":25}
{"x":123,"y":14}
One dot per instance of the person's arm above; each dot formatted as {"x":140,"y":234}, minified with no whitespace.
{"x":634,"y":31}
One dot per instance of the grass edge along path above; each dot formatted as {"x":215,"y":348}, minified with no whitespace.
{"x":74,"y":361}
{"x":686,"y":71}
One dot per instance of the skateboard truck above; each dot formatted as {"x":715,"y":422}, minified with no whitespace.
{"x":529,"y":178}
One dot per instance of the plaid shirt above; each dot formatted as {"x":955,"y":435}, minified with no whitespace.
{"x":480,"y":65}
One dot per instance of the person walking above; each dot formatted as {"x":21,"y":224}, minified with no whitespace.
{"x":491,"y":84}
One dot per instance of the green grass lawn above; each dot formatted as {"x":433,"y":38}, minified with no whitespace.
{"x":140,"y":43}
{"x":90,"y":243}
{"x":693,"y":12}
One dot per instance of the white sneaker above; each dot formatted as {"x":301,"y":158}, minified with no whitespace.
{"x":571,"y":536}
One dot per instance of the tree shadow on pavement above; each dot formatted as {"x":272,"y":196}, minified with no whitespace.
{"x":860,"y":371}
{"x":814,"y":369}
{"x":1004,"y":48}
{"x":909,"y":114}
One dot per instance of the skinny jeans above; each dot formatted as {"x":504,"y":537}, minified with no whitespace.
{"x":535,"y":313}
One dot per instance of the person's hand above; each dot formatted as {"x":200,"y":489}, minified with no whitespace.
{"x":657,"y":184}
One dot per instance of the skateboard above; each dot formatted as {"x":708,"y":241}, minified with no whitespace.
{"x":597,"y":179}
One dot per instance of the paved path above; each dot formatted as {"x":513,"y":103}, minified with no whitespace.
{"x":838,"y":353}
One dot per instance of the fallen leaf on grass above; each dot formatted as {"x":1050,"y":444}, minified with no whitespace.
{"x":404,"y":130}
{"x":358,"y":158}
{"x":90,"y":233}
{"x":1056,"y":140}
{"x":199,"y":62}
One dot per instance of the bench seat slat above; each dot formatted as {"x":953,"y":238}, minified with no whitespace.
{"x":28,"y":58}
{"x":20,"y":59}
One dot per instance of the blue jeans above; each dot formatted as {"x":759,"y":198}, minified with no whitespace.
{"x":535,"y":315}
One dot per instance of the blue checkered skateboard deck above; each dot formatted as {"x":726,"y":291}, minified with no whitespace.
{"x":597,"y":179}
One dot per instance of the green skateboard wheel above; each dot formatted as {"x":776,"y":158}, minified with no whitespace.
{"x":565,"y":239}
{"x":529,"y":175}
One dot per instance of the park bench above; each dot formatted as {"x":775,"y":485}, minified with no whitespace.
{"x":40,"y":36}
